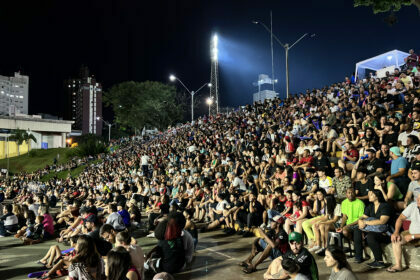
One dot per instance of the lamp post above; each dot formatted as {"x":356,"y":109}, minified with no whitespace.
{"x":209,"y":102}
{"x":173,"y":78}
{"x":109,"y":127}
{"x":286,"y":47}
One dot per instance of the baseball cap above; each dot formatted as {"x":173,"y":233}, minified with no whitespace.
{"x":395,"y":150}
{"x":295,"y":236}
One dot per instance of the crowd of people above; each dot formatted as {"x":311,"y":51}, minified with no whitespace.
{"x":343,"y":159}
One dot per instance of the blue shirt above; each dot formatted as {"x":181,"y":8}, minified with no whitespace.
{"x":398,"y":163}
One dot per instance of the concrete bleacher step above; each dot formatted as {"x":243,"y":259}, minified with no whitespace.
{"x":411,"y":256}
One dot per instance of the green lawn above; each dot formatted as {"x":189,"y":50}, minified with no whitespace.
{"x":37,"y":159}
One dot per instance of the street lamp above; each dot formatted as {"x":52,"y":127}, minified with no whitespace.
{"x":109,"y":127}
{"x":209,"y":102}
{"x":286,"y":47}
{"x":173,"y":78}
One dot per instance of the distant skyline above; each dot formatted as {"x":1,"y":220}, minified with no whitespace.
{"x":134,"y":40}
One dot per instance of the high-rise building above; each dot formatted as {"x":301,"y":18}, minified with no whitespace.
{"x":84,"y":103}
{"x":14,"y":94}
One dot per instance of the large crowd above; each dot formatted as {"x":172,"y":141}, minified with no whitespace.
{"x":340,"y":162}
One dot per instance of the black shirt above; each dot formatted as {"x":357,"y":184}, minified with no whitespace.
{"x":384,"y":209}
{"x":323,"y":162}
{"x":363,"y":189}
{"x":258,"y":207}
{"x":306,"y":262}
{"x":390,"y":139}
{"x":373,"y":165}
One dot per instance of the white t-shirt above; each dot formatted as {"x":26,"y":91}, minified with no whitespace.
{"x":238,"y":182}
{"x":144,"y":160}
{"x":412,"y":213}
{"x":222,"y":205}
{"x":403,"y":136}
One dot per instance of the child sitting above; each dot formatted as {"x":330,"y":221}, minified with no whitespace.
{"x":34,"y":233}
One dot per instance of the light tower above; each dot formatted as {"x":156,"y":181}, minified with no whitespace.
{"x":214,"y":78}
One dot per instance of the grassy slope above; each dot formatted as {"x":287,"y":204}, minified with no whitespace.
{"x":39,"y":160}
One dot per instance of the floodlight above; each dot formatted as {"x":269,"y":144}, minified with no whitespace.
{"x":209,"y":85}
{"x":215,"y":40}
{"x":172,"y":78}
{"x":209,"y":101}
{"x":255,"y":22}
{"x":389,"y":57}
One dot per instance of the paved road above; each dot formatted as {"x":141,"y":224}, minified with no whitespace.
{"x":216,"y":259}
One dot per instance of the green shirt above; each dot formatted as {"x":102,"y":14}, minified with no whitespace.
{"x":352,"y":209}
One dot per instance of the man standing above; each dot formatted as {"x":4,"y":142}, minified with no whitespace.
{"x":297,"y":253}
{"x":412,"y":235}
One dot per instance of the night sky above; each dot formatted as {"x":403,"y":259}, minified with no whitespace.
{"x":148,"y":40}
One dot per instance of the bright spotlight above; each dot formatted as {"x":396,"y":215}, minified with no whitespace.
{"x":98,"y":118}
{"x":389,"y":57}
{"x":209,"y":101}
{"x":209,"y":85}
{"x":215,"y":40}
{"x":172,"y":78}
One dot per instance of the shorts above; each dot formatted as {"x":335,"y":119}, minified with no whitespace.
{"x":218,"y":217}
{"x":275,"y":253}
{"x":415,"y":242}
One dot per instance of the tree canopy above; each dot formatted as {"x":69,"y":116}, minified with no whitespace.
{"x":381,"y":6}
{"x":139,"y":104}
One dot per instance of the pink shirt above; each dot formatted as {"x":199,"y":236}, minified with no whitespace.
{"x":48,"y":224}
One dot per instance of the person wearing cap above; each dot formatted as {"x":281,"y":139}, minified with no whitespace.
{"x":414,"y":163}
{"x":411,"y":236}
{"x":374,"y":166}
{"x":398,"y":169}
{"x":298,"y":253}
{"x":272,"y":244}
{"x":363,"y":185}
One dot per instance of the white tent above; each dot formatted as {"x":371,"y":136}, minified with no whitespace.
{"x":393,"y":59}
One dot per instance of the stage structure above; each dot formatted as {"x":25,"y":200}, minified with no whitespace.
{"x":214,"y":77}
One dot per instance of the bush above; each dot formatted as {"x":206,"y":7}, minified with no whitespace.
{"x":91,"y":147}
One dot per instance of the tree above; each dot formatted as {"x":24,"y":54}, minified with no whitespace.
{"x":20,"y":136}
{"x":382,"y":6}
{"x":140,"y":104}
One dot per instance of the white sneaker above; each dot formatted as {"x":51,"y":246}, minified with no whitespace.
{"x":315,"y":248}
{"x":263,"y":226}
{"x":152,"y":235}
{"x":319,"y":251}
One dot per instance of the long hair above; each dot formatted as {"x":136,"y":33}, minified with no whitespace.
{"x":118,"y":263}
{"x":379,"y":195}
{"x":86,"y":252}
{"x":339,"y":256}
{"x":330,"y":204}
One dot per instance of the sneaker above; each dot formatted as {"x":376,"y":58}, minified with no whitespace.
{"x":263,"y":226}
{"x":152,"y":235}
{"x":315,"y":248}
{"x":376,"y":264}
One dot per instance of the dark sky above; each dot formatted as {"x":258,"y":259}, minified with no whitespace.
{"x":147,"y":40}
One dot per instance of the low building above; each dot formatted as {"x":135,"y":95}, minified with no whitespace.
{"x":48,"y":133}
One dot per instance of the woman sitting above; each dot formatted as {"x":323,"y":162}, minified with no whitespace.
{"x":119,"y":267}
{"x":318,"y":215}
{"x":87,"y":263}
{"x":340,"y":268}
{"x":374,"y":224}
{"x":390,"y":191}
